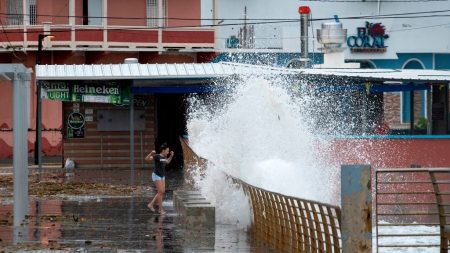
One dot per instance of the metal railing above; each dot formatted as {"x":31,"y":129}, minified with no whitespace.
{"x":288,"y":224}
{"x":291,"y":224}
{"x":411,"y":209}
{"x":406,"y":207}
{"x":191,"y":161}
{"x":107,"y":37}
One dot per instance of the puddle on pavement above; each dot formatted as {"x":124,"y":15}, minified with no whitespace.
{"x":105,"y":223}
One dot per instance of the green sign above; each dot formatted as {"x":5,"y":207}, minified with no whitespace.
{"x":75,"y":125}
{"x":96,"y":92}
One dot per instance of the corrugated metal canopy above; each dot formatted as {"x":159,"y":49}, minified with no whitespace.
{"x":151,"y":71}
{"x":401,"y":75}
{"x":218,"y":70}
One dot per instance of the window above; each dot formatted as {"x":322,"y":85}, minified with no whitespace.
{"x":15,"y":12}
{"x":152,"y":13}
{"x":15,"y":15}
{"x":92,"y":12}
{"x":32,"y":11}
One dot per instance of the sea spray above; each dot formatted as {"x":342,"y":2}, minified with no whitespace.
{"x":259,"y":132}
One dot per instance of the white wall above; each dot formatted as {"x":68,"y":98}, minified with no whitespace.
{"x":207,"y":12}
{"x":406,"y":35}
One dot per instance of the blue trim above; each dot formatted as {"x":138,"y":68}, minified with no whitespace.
{"x":390,"y":137}
{"x":207,"y":89}
{"x":376,"y":88}
{"x":406,"y":106}
{"x":442,"y":61}
{"x":271,"y":59}
{"x":173,"y":78}
{"x":176,"y":89}
{"x":425,"y":58}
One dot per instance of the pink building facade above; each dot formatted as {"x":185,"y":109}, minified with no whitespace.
{"x":92,"y":32}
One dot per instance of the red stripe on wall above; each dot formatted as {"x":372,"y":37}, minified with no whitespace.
{"x":150,"y":36}
{"x":33,"y":34}
{"x":12,"y":35}
{"x":89,"y":35}
{"x":61,"y":35}
{"x":188,"y":37}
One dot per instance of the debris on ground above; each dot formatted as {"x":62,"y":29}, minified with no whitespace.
{"x":53,"y":184}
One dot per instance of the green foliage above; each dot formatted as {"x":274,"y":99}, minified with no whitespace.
{"x":421,"y":124}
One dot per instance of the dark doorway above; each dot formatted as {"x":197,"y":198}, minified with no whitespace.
{"x":171,"y":124}
{"x":440,"y":109}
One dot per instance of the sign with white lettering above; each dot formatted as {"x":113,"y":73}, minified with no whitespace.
{"x":89,"y":118}
{"x":75,"y":125}
{"x":96,"y":92}
{"x":75,"y":120}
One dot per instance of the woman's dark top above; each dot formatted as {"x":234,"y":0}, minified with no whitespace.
{"x":160,"y":165}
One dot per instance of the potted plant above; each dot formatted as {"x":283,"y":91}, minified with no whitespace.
{"x":421,"y":126}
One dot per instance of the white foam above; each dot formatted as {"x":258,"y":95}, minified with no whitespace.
{"x":260,"y":134}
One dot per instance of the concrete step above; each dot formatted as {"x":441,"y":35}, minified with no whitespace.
{"x":195,"y":211}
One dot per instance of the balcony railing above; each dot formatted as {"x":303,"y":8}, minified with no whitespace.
{"x":109,"y":38}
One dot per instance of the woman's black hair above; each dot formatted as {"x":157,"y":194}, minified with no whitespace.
{"x":163,"y":146}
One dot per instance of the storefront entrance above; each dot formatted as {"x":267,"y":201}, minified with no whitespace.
{"x":440,"y":109}
{"x":171,"y":123}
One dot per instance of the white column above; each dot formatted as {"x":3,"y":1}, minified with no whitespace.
{"x":25,"y":11}
{"x":25,"y":88}
{"x":72,"y":22}
{"x":47,"y":31}
{"x":105,"y":23}
{"x":20,"y":148}
{"x":72,"y":12}
{"x":26,"y":22}
{"x":160,"y":23}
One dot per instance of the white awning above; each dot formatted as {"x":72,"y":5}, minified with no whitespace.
{"x":137,"y":71}
{"x":400,"y":75}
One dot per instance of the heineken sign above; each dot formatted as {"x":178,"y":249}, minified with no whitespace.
{"x":75,"y":125}
{"x":55,"y":91}
{"x":97,"y":92}
{"x":102,"y":90}
{"x":75,"y":120}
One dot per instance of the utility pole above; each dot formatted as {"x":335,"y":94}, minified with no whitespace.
{"x":37,"y":143}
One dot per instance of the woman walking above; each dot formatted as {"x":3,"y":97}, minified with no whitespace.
{"x":158,"y":175}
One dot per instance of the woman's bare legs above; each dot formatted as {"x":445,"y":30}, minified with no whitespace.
{"x":161,"y":196}
{"x":160,"y":187}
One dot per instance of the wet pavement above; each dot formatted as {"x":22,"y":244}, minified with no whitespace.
{"x":106,"y":223}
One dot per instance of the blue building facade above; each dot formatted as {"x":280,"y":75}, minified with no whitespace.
{"x":397,"y":105}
